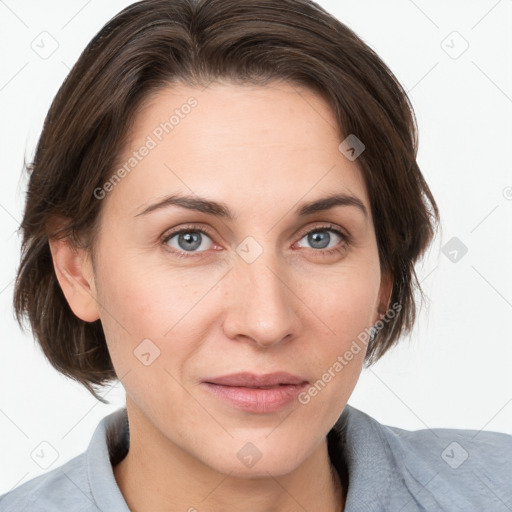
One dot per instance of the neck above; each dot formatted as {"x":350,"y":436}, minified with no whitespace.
{"x":156,"y":477}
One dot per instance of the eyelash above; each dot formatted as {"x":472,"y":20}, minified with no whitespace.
{"x":346,"y":239}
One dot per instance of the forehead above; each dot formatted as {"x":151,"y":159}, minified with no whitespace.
{"x":254,"y":147}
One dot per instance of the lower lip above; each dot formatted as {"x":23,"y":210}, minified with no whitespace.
{"x":256,"y":399}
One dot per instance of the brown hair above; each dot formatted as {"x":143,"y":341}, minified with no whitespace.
{"x":153,"y":43}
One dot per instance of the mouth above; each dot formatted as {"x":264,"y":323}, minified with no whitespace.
{"x":256,"y":393}
{"x":252,"y":380}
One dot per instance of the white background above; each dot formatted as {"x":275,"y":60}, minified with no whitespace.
{"x":455,"y":368}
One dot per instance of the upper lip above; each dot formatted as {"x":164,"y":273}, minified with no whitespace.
{"x":252,"y":380}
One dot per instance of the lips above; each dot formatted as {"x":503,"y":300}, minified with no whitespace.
{"x":251,"y":380}
{"x":256,"y":393}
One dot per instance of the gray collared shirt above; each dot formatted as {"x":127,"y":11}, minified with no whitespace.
{"x":389,"y":469}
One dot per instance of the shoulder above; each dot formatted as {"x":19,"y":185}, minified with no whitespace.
{"x":461,"y":450}
{"x":455,"y":469}
{"x":86,"y":483}
{"x":63,"y":488}
{"x":457,"y":445}
{"x":467,"y":466}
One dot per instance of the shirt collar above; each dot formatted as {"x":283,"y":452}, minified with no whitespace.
{"x":359,"y":443}
{"x":108,"y":445}
{"x":357,"y":446}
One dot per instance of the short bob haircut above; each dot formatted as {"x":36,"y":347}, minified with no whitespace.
{"x":149,"y":46}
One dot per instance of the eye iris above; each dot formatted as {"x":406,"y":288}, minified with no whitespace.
{"x":322,"y":237}
{"x":191,"y":241}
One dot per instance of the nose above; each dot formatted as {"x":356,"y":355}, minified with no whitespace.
{"x":260,"y":303}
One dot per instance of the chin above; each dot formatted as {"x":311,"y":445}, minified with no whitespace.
{"x":258,"y":459}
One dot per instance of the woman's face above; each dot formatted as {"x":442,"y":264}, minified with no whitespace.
{"x":265,"y":289}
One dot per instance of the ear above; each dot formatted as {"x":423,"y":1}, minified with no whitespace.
{"x":386,"y":288}
{"x":74,"y":272}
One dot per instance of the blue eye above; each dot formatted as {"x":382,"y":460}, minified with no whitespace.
{"x":188,"y":240}
{"x":191,"y":240}
{"x":320,"y":238}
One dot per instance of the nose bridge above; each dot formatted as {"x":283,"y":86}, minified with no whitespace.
{"x":261,"y":304}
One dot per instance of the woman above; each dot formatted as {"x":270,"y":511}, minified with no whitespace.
{"x":224,"y":212}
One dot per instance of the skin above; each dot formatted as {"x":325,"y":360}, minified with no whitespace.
{"x":294,"y":308}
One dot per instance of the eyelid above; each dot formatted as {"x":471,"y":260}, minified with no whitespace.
{"x":191,"y":228}
{"x":327,"y":226}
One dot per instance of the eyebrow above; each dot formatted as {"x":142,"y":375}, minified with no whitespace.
{"x":221,"y":210}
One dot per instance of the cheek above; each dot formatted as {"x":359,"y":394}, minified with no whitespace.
{"x":336,"y":346}
{"x":152,"y":302}
{"x":139,"y":295}
{"x":345,"y":299}
{"x":337,"y":349}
